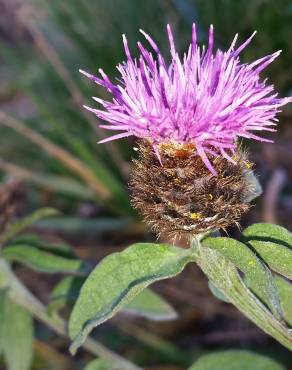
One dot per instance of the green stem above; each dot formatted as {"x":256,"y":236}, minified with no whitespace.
{"x":224,"y":275}
{"x":23,"y":297}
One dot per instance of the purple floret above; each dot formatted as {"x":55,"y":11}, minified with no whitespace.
{"x":205,"y":98}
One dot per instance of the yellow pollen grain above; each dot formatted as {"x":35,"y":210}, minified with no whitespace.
{"x":195,"y":216}
{"x":251,"y":262}
{"x":248,"y":165}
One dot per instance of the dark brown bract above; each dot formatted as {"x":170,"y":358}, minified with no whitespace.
{"x":181,"y":196}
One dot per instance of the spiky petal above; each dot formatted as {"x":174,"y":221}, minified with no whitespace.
{"x":205,"y":98}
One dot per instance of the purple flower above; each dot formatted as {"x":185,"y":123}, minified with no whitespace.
{"x":205,"y":98}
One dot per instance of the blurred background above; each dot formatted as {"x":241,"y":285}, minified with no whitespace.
{"x":48,"y":147}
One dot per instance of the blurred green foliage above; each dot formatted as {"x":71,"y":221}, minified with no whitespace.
{"x":61,"y":37}
{"x":58,"y":38}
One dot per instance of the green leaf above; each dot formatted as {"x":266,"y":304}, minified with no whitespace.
{"x":276,"y":256}
{"x":146,"y":304}
{"x":259,"y":277}
{"x":42,"y":261}
{"x":285,"y":291}
{"x":58,"y":248}
{"x":27,"y":238}
{"x":98,"y":364}
{"x":150,"y":305}
{"x":235,"y":360}
{"x":27,"y":221}
{"x":18,"y":334}
{"x":225,"y":276}
{"x":285,"y":294}
{"x":268,"y":232}
{"x":117,"y":279}
{"x":273,"y":244}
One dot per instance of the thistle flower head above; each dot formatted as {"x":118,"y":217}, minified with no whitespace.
{"x":204,"y":100}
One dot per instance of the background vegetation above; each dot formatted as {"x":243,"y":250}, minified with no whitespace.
{"x":48,"y":143}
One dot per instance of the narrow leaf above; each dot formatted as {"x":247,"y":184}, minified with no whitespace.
{"x":276,"y":256}
{"x":235,"y":360}
{"x":27,"y":221}
{"x":285,"y":291}
{"x":61,"y":248}
{"x":18,"y":334}
{"x":257,"y":274}
{"x":273,"y":244}
{"x":118,"y":279}
{"x":42,"y":261}
{"x":150,"y":305}
{"x":285,"y":294}
{"x":269,"y":233}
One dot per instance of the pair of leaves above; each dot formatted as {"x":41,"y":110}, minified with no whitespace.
{"x":265,"y":246}
{"x":273,"y":244}
{"x":235,"y":360}
{"x":118,"y":279}
{"x":16,"y":334}
{"x":258,"y":275}
{"x":225,"y":276}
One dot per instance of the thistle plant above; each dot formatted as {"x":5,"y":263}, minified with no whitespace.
{"x":192,"y":177}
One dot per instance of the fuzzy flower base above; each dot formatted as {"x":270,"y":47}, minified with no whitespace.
{"x":182,"y":196}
